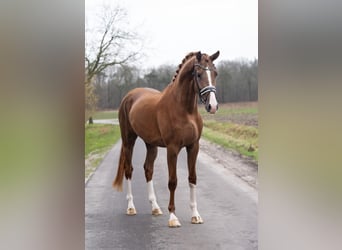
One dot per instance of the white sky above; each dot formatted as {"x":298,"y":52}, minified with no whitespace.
{"x":171,"y":29}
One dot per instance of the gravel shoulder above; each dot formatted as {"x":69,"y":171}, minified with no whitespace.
{"x":241,"y":166}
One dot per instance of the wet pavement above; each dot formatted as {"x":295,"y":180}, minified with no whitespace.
{"x":227,"y":205}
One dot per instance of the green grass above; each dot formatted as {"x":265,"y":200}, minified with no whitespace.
{"x":99,"y":138}
{"x":243,"y":139}
{"x":226,"y":110}
{"x":226,"y":127}
{"x":110,"y":114}
{"x":223,"y":128}
{"x":237,"y":110}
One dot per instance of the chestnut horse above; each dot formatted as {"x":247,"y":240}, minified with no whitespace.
{"x":168,"y":119}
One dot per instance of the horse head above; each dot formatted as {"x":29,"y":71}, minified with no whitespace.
{"x":205,"y":78}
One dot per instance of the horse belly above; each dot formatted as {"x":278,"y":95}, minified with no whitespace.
{"x":149,"y":133}
{"x":143,"y":120}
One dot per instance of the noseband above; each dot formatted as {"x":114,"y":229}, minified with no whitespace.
{"x":207,"y":89}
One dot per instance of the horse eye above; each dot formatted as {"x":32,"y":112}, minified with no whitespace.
{"x":198,"y":75}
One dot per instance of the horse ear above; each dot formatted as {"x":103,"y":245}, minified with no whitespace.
{"x":214,"y":56}
{"x":199,"y":56}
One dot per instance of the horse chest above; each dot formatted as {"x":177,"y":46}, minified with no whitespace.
{"x":189,"y":132}
{"x":185,"y":133}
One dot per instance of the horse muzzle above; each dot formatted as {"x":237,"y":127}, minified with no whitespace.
{"x":211,"y":109}
{"x":212,"y":105}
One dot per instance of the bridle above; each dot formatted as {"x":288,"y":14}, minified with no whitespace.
{"x":207,"y":89}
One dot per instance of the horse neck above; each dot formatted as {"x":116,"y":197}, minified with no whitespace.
{"x":183,"y":88}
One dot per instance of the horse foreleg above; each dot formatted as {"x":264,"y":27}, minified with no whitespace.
{"x":195,"y":218}
{"x":148,"y":166}
{"x":172,"y":162}
{"x":192,"y":152}
{"x":153,"y":200}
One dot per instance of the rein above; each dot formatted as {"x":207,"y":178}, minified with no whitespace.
{"x":207,"y":89}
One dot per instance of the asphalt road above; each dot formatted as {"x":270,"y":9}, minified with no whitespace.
{"x":227,"y":205}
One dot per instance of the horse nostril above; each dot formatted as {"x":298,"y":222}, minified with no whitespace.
{"x":209,"y":108}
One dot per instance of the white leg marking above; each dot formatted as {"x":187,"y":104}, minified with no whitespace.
{"x":131,"y":208}
{"x":196,"y":218}
{"x":193,"y":203}
{"x":173,"y":216}
{"x":173,"y":221}
{"x":153,"y":200}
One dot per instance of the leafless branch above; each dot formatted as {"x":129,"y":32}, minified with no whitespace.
{"x":107,"y":45}
{"x":113,"y":45}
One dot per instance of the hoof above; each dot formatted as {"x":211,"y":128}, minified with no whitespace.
{"x":196,"y":220}
{"x":157,"y":211}
{"x":174,"y":223}
{"x":131,"y":211}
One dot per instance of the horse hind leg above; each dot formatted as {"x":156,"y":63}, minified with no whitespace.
{"x":128,"y":137}
{"x":130,"y":208}
{"x":148,"y":166}
{"x":125,"y":168}
{"x":128,"y":174}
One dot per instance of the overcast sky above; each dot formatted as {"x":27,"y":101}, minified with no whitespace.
{"x":171,"y":29}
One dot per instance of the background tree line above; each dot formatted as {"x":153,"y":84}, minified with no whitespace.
{"x":111,"y":49}
{"x":237,"y":81}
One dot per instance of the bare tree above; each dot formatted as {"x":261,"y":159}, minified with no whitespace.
{"x":108,"y":44}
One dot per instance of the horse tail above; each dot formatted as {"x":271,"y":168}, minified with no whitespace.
{"x":128,"y":138}
{"x":117,"y":183}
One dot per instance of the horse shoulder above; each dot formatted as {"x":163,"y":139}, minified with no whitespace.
{"x":179,"y":129}
{"x":192,"y":129}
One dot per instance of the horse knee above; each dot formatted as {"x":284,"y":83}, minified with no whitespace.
{"x":172,"y":184}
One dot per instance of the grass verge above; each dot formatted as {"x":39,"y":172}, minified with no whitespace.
{"x":243,"y":139}
{"x":110,"y":114}
{"x":99,"y":138}
{"x":234,"y":126}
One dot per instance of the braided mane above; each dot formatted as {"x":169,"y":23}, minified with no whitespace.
{"x":185,"y":59}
